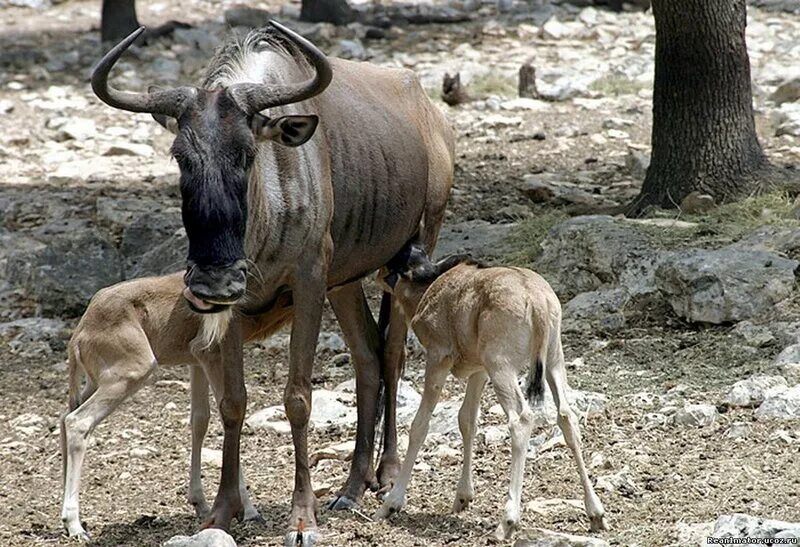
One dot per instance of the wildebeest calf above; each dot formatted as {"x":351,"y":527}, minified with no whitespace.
{"x":485,"y":323}
{"x":126,"y":332}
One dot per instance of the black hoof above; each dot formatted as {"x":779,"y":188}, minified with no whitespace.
{"x":342,"y":503}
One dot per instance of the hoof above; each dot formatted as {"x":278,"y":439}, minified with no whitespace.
{"x":505,"y":530}
{"x":342,"y":503}
{"x":461,"y":503}
{"x":598,"y":523}
{"x":80,"y":537}
{"x":385,"y":511}
{"x":201,"y":509}
{"x":254,"y":518}
{"x":300,"y":539}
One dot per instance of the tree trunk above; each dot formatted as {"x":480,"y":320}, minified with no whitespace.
{"x":337,"y":12}
{"x":704,"y":137}
{"x":118,"y":19}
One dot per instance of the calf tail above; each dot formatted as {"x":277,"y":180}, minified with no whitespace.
{"x":534,"y":388}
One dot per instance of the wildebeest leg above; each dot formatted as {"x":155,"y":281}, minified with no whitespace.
{"x":361,"y":334}
{"x":198,"y":417}
{"x":467,"y":423}
{"x":111,"y":390}
{"x":309,"y":295}
{"x":227,"y":369}
{"x":200,"y":412}
{"x":557,"y":380}
{"x":436,"y":373}
{"x":393,"y":355}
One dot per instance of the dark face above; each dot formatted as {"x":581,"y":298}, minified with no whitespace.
{"x":214,"y":148}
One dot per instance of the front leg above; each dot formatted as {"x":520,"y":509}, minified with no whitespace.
{"x":309,"y":295}
{"x":226,"y":368}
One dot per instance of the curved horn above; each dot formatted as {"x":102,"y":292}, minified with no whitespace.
{"x":257,"y":97}
{"x":166,"y":102}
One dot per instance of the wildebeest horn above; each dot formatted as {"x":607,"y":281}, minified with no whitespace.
{"x":167,"y":102}
{"x":257,"y":97}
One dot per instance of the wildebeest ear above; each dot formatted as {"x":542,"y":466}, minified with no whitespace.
{"x":287,"y":130}
{"x":168,"y":123}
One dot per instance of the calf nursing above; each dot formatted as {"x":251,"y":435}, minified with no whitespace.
{"x":485,"y":324}
{"x":128,"y":330}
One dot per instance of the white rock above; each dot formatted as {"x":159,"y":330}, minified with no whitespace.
{"x":447,"y":454}
{"x":494,"y":435}
{"x":6,"y":106}
{"x":445,"y":418}
{"x":737,"y":430}
{"x":495,"y":121}
{"x":752,"y":391}
{"x":557,"y":506}
{"x":211,"y":537}
{"x":740,"y":525}
{"x":28,"y":423}
{"x":129,"y":149}
{"x":696,"y":415}
{"x":328,"y":409}
{"x":143,"y":452}
{"x":211,"y":456}
{"x":79,"y":129}
{"x":693,"y":534}
{"x":330,"y":341}
{"x":788,"y":362}
{"x":524,"y":103}
{"x":620,"y":481}
{"x":782,"y":404}
{"x":272,"y":418}
{"x":407,"y":403}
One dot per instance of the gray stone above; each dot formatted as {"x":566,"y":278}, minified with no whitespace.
{"x":61,"y":275}
{"x":595,"y":307}
{"x":445,"y":418}
{"x":636,"y":163}
{"x":548,"y":538}
{"x":408,"y":400}
{"x":787,"y":119}
{"x":752,"y":391}
{"x":696,"y":415}
{"x":351,"y":49}
{"x":146,"y":232}
{"x":331,"y":342}
{"x":587,"y":253}
{"x":693,"y":534}
{"x":781,"y":404}
{"x":771,"y":238}
{"x":167,"y":257}
{"x":757,"y":336}
{"x":331,"y":409}
{"x":129,"y":149}
{"x":211,"y":537}
{"x":79,"y":129}
{"x":476,"y":237}
{"x":550,"y":187}
{"x":787,"y":91}
{"x":788,"y":362}
{"x":34,"y":336}
{"x":245,"y":16}
{"x":725,"y":285}
{"x":739,"y":525}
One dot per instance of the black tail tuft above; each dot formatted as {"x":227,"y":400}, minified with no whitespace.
{"x":535,"y":388}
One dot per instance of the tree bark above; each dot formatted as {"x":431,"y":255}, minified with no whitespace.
{"x":118,"y":19}
{"x":337,"y":12}
{"x":704,"y":137}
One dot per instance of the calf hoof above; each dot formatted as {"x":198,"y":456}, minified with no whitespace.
{"x":296,"y":538}
{"x":598,"y":523}
{"x":505,"y":530}
{"x":253,"y":516}
{"x":388,"y":471}
{"x":201,"y":509}
{"x":342,"y":502}
{"x":461,"y":502}
{"x":80,"y":537}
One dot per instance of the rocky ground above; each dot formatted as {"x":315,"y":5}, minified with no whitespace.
{"x":682,"y":332}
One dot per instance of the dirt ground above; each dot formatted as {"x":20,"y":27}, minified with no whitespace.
{"x":677,"y":475}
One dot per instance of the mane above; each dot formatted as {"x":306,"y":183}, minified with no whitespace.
{"x":237,"y":59}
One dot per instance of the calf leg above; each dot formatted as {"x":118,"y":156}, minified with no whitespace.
{"x":435,"y":375}
{"x":198,"y":375}
{"x":224,"y":367}
{"x":520,"y":423}
{"x":467,"y":423}
{"x":199,"y":415}
{"x":361,"y":334}
{"x":557,"y":380}
{"x":113,"y":387}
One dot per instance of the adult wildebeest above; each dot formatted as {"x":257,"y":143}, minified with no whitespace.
{"x":265,"y":215}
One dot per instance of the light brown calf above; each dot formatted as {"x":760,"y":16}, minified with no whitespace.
{"x":127,"y":330}
{"x":485,"y":324}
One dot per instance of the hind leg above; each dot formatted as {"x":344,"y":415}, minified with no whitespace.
{"x":199,"y":415}
{"x":520,"y":423}
{"x":467,"y":423}
{"x":557,"y":380}
{"x":393,"y":357}
{"x":113,"y":388}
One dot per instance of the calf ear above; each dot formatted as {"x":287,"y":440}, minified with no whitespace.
{"x":286,"y":130}
{"x":168,"y":123}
